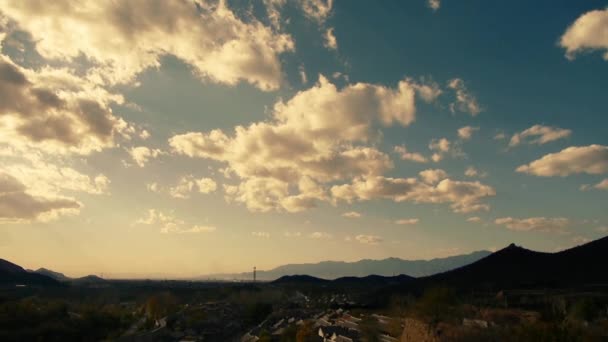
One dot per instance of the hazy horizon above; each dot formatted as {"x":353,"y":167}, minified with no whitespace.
{"x":183,"y":139}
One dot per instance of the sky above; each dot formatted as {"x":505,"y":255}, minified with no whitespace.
{"x":179,"y":138}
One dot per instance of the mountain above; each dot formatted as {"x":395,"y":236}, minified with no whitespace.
{"x":515,"y":266}
{"x":11,"y":275}
{"x":350,"y":282}
{"x":362,"y":268}
{"x":88,"y":280}
{"x":55,"y":275}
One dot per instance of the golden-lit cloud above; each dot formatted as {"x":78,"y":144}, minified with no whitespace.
{"x":55,"y":111}
{"x":18,"y":205}
{"x":207,"y":35}
{"x":539,"y":224}
{"x":465,"y":101}
{"x":407,"y":222}
{"x":405,"y":154}
{"x":309,"y":142}
{"x":542,"y":134}
{"x":592,"y":159}
{"x":369,"y":239}
{"x":587,"y":33}
{"x":464,"y":197}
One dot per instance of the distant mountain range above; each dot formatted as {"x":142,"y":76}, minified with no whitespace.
{"x":509,"y":268}
{"x":338,"y":269}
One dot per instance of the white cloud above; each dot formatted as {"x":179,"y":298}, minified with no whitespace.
{"x":209,"y":37}
{"x":292,"y":234}
{"x":264,"y":235}
{"x":169,"y":224}
{"x":592,"y":159}
{"x":580,"y":240}
{"x":206,"y":185}
{"x":465,"y":101}
{"x":55,"y":111}
{"x":369,"y":239}
{"x":404,"y":154}
{"x":141,"y":155}
{"x":540,"y":224}
{"x":603,"y":185}
{"x":313,"y":139}
{"x":317,"y":10}
{"x":329,"y":39}
{"x":473,"y":172}
{"x":302,"y":73}
{"x":543,"y":134}
{"x":433,"y":176}
{"x":407,"y":222}
{"x":18,"y":205}
{"x":443,"y":147}
{"x":352,"y":214}
{"x":188,"y":184}
{"x":587,"y":33}
{"x":464,"y":197}
{"x":466,"y":132}
{"x":320,"y":235}
{"x":434,"y":4}
{"x":603,"y":229}
{"x":474,"y":219}
{"x":500,"y":136}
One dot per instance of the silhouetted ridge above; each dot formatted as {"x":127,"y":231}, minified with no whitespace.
{"x":515,"y":266}
{"x":300,"y":279}
{"x":11,"y":275}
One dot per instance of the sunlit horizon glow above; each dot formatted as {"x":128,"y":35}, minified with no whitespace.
{"x":160,"y":139}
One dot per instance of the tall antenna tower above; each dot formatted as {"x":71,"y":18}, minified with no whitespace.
{"x":254,"y":274}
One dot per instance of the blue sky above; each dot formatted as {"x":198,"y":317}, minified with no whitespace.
{"x":178,"y":139}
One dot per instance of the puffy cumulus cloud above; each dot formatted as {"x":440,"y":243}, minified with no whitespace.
{"x":317,"y":10}
{"x":352,"y":214}
{"x":588,"y":32}
{"x":539,"y":224}
{"x":141,"y":154}
{"x":407,"y":222}
{"x":433,"y":176}
{"x":603,"y":185}
{"x":48,"y":178}
{"x":320,"y":235}
{"x":369,"y":239}
{"x":500,"y":136}
{"x":404,"y":154}
{"x":314,"y":138}
{"x":474,"y":219}
{"x":592,"y":159}
{"x":464,"y":197}
{"x":539,"y":135}
{"x":434,"y":4}
{"x":18,"y":204}
{"x":471,"y":171}
{"x":206,"y":185}
{"x":207,"y":35}
{"x":265,"y":235}
{"x":442,"y":147}
{"x":465,"y":100}
{"x":170,"y":224}
{"x":329,"y":39}
{"x":55,"y":111}
{"x":466,"y":132}
{"x":187,"y":185}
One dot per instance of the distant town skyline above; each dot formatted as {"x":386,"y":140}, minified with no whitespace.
{"x":184,"y":138}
